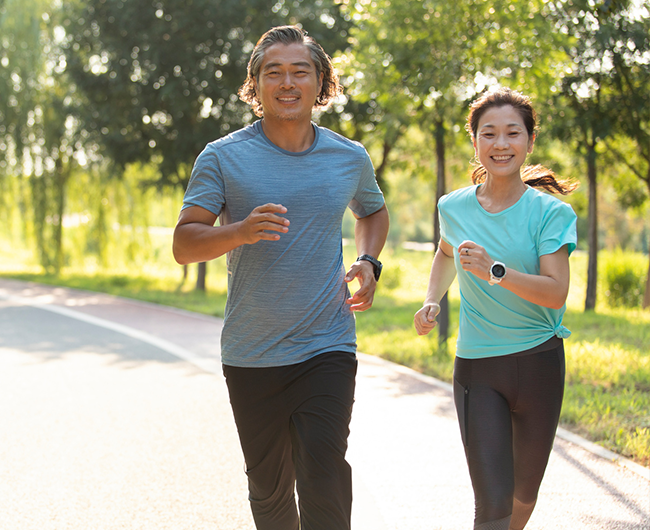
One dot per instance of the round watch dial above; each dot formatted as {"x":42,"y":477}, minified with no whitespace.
{"x":498,"y":271}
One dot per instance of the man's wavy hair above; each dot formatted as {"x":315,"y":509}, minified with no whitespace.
{"x":290,"y":35}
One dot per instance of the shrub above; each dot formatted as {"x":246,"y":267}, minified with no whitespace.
{"x":624,"y":278}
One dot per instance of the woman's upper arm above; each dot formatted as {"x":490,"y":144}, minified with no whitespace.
{"x":556,"y":266}
{"x":446,"y":248}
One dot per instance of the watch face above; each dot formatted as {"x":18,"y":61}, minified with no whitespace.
{"x":498,"y":271}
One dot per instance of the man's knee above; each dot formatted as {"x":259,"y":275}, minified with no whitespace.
{"x":272,"y":499}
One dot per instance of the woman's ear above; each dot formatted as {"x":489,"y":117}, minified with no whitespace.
{"x":531,"y":144}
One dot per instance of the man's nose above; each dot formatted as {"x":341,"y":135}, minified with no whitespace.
{"x":287,"y":81}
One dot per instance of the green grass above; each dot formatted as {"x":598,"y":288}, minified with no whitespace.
{"x":607,"y":396}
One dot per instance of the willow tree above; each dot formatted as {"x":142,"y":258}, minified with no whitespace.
{"x":160,"y":78}
{"x":36,"y":135}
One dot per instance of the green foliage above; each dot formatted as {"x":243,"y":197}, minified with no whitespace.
{"x":607,"y":395}
{"x":624,"y":278}
{"x":608,"y":379}
{"x":160,"y":79}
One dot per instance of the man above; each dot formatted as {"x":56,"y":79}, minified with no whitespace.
{"x":280,"y":188}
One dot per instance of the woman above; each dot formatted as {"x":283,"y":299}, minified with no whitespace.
{"x":509,"y":244}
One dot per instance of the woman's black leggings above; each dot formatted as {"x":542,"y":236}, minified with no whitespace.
{"x":508,"y":410}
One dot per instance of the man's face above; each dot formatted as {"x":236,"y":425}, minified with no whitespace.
{"x":287,"y":84}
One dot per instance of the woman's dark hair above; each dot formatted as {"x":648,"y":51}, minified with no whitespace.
{"x":290,"y":35}
{"x":536,"y":176}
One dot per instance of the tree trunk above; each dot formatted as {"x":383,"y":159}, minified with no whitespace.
{"x":443,"y":316}
{"x":200,"y":276}
{"x":646,"y":296}
{"x":592,"y":235}
{"x":61,"y":179}
{"x":379,"y":172}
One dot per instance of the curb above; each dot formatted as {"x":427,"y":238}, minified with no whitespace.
{"x":562,"y":433}
{"x":213,"y":366}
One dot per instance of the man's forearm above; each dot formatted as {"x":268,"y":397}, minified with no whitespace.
{"x":370,"y":232}
{"x":197,"y":242}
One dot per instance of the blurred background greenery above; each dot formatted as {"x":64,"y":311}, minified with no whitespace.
{"x":105,"y":104}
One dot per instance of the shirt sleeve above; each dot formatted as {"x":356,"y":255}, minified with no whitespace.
{"x":442,"y":220}
{"x":559,"y":229}
{"x":206,"y":187}
{"x":368,"y":198}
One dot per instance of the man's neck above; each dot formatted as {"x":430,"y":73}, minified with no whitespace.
{"x":294,"y":136}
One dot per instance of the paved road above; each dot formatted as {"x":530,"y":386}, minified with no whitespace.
{"x":114,"y":415}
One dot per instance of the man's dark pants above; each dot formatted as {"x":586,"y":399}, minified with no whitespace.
{"x":293,"y":424}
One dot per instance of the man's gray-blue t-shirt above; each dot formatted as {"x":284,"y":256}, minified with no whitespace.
{"x":286,"y":298}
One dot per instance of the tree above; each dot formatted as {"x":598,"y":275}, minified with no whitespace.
{"x":422,"y":61}
{"x":161,"y":78}
{"x":588,"y":95}
{"x":37,"y":138}
{"x":630,"y":49}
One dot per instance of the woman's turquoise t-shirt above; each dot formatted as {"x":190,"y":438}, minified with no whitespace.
{"x":494,"y":321}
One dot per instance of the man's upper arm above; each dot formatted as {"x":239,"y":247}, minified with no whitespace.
{"x":196,"y":214}
{"x":383,"y":207}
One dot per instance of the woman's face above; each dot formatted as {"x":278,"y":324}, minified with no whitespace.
{"x":502,"y":142}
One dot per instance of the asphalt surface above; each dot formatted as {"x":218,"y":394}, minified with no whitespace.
{"x":114,"y":415}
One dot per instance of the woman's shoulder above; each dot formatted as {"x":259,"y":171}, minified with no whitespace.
{"x":547,"y":202}
{"x":459,"y":196}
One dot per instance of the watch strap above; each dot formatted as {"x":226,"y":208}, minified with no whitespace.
{"x":497,"y":279}
{"x":376,"y":264}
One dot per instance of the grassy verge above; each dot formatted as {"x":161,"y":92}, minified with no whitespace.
{"x":607,"y":397}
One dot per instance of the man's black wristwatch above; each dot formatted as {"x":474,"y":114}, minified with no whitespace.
{"x":376,"y":264}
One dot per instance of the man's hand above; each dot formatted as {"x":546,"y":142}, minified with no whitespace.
{"x":254,"y":227}
{"x":365,"y":273}
{"x":425,"y":318}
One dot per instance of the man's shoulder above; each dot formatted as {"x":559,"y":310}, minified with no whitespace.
{"x":339,"y":140}
{"x":236,"y":138}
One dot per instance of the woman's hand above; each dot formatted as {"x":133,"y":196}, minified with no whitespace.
{"x":549,"y":288}
{"x":425,"y":318}
{"x":474,"y":259}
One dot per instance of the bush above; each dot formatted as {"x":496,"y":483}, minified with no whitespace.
{"x":624,"y":278}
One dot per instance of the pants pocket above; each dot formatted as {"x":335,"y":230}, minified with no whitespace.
{"x":461,"y":400}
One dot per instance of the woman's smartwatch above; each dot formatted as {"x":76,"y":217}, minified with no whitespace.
{"x":376,"y":264}
{"x":497,"y":272}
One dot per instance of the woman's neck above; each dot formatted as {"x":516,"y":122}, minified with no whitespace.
{"x":496,"y":194}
